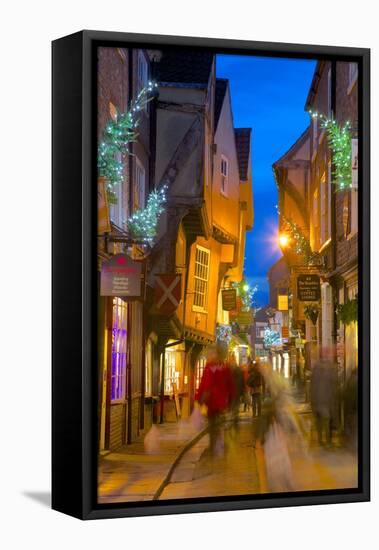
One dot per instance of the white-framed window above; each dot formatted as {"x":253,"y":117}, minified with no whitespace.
{"x":149,"y":367}
{"x":172,"y":375}
{"x":139,"y":186}
{"x":200,"y":366}
{"x":330,"y":190}
{"x":259,"y":331}
{"x":201,"y":278}
{"x":119,"y":349}
{"x":325,"y":213}
{"x":327,"y":314}
{"x":353,"y":75}
{"x":142,"y":74}
{"x":315,"y":229}
{"x":353,"y":211}
{"x":116,"y":210}
{"x":224,"y":169}
{"x":330,"y":92}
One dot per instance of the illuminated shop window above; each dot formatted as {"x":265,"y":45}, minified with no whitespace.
{"x":149,"y":368}
{"x":200,"y":366}
{"x":119,"y":339}
{"x":172,"y":374}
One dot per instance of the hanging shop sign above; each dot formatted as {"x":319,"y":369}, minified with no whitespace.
{"x":168,"y":292}
{"x":285,"y":332}
{"x":229,"y":299}
{"x":283,"y":302}
{"x":244,"y":318}
{"x":121,"y":276}
{"x":308,"y":288}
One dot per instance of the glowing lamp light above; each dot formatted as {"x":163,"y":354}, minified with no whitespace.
{"x":245,"y":288}
{"x":283,"y":240}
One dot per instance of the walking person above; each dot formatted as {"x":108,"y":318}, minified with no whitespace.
{"x":255,"y":382}
{"x":238,"y":387}
{"x":324,"y":392}
{"x":217,"y":392}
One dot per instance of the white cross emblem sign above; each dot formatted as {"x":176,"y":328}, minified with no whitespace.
{"x":168,"y":290}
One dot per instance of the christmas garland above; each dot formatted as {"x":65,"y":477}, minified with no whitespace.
{"x":224,"y":333}
{"x":301,"y":245}
{"x":246,"y":294}
{"x":114,"y":145}
{"x":339,"y":140}
{"x":112,"y":150}
{"x":143,"y":223}
{"x":271,"y":338}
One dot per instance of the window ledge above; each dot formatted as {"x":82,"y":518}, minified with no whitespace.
{"x":199,"y":309}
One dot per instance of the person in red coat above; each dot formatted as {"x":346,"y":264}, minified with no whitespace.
{"x":216,"y":391}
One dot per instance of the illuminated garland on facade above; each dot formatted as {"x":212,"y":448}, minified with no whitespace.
{"x":142,"y":225}
{"x":339,"y":140}
{"x":301,"y":245}
{"x":224,"y":333}
{"x":271,"y":338}
{"x":114,"y":145}
{"x":246,"y":293}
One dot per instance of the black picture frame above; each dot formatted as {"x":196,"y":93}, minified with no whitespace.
{"x":74,"y":387}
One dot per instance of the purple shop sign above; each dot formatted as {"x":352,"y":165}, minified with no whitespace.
{"x":121,"y":276}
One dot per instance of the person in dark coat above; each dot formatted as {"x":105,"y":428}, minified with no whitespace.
{"x":324,"y":393}
{"x":255,"y":382}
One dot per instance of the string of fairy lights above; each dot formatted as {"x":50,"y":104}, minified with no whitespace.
{"x":113,"y":149}
{"x":339,"y":141}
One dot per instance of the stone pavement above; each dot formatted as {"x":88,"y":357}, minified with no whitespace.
{"x":235,"y":474}
{"x":145,"y":472}
{"x":135,"y":472}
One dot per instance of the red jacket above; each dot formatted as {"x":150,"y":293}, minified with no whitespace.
{"x":216,"y":388}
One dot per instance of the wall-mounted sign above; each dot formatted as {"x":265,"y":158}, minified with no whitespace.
{"x":229,"y":299}
{"x":283,"y":302}
{"x":308,"y":288}
{"x":168,"y":291}
{"x":121,"y":276}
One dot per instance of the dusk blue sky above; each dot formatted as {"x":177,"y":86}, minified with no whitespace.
{"x":268,"y":95}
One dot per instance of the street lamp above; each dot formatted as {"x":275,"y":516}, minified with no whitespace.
{"x":283,"y":240}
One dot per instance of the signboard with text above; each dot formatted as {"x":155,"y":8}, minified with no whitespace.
{"x":244,"y":318}
{"x":229,"y":299}
{"x":282,"y":302}
{"x":121,"y":276}
{"x":308,"y":288}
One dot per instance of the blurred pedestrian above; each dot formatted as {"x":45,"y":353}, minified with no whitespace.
{"x":324,"y":394}
{"x":255,"y":382}
{"x":238,"y":386}
{"x":217,"y":392}
{"x":351,"y":409}
{"x":273,"y":428}
{"x":246,"y":397}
